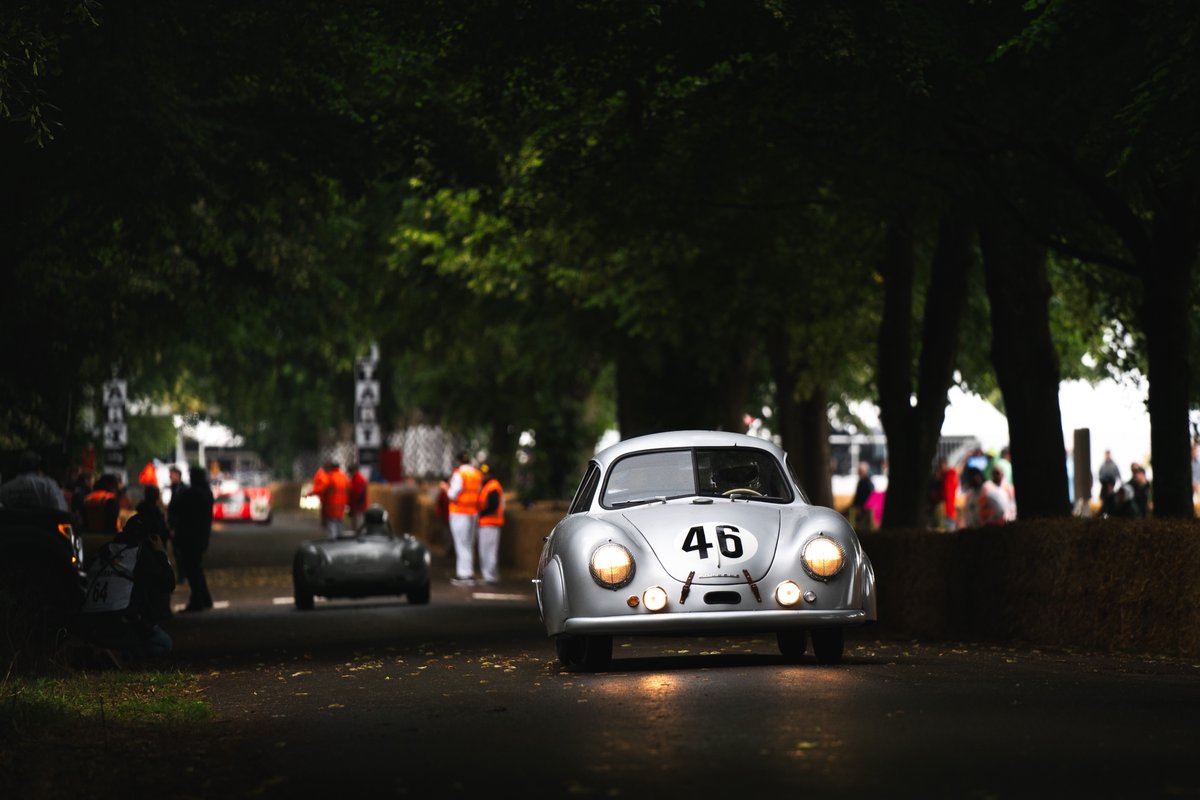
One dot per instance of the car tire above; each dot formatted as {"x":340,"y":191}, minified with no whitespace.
{"x":300,"y":591}
{"x":419,"y":596}
{"x":304,"y":597}
{"x":828,"y":644}
{"x":584,"y":652}
{"x":792,"y":643}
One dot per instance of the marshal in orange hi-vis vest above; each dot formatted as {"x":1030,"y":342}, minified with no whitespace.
{"x":467,"y":501}
{"x":495,"y":517}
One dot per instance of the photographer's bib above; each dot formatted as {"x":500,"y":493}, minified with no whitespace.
{"x":110,"y":587}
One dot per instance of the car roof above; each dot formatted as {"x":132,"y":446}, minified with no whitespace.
{"x":683,"y":439}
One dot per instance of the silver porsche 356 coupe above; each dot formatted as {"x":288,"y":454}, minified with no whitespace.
{"x":693,"y":533}
{"x":370,"y":561}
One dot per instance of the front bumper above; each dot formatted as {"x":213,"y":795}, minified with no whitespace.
{"x":714,"y":622}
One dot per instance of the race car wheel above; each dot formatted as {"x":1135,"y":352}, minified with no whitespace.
{"x":584,"y":652}
{"x":419,"y":596}
{"x":300,"y":590}
{"x":792,"y":643}
{"x":304,"y":597}
{"x":828,"y":644}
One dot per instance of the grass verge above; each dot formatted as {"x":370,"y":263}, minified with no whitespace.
{"x":60,"y":734}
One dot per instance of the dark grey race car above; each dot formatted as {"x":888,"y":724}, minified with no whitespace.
{"x":368,"y":562}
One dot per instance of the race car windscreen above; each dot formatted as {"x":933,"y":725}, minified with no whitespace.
{"x":643,"y":477}
{"x":738,"y":471}
{"x":725,"y":472}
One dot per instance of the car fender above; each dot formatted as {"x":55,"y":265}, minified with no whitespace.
{"x":552,"y":597}
{"x":852,"y":588}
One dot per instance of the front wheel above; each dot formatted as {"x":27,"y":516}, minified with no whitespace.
{"x":583,"y":652}
{"x":300,"y":591}
{"x":419,"y":596}
{"x":303,"y":596}
{"x":792,"y":644}
{"x":828,"y":644}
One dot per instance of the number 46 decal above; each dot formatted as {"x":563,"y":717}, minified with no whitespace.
{"x":721,"y":542}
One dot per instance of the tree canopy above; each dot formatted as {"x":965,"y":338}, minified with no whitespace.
{"x":555,"y":218}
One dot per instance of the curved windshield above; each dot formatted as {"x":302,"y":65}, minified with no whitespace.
{"x":735,"y":472}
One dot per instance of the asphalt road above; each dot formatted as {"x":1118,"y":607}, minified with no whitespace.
{"x":464,"y":697}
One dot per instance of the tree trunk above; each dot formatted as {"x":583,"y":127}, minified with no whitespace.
{"x":803,"y":425}
{"x":1026,"y":365}
{"x":813,"y":460}
{"x":1166,"y":318}
{"x":502,"y":448}
{"x":895,"y":375}
{"x":913,"y":429}
{"x":663,"y":388}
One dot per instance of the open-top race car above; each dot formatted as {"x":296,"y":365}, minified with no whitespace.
{"x":699,"y":532}
{"x":370,"y":561}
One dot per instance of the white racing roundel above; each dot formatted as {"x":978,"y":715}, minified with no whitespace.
{"x":717,"y":543}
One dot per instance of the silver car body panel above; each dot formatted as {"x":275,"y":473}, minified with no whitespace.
{"x":729,"y":589}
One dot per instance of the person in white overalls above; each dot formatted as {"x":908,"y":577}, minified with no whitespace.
{"x":119,"y":601}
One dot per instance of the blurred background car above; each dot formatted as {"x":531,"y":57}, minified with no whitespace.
{"x":233,"y":502}
{"x":370,"y":561}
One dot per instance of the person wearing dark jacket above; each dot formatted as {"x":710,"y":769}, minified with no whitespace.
{"x":192,"y":515}
{"x":126,"y":581}
{"x":151,"y":510}
{"x":857,"y":512}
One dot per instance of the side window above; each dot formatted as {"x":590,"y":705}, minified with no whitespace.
{"x":587,"y":490}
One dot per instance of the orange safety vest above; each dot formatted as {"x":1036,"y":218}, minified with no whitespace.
{"x":467,"y":501}
{"x":496,"y":518}
{"x":320,"y":482}
{"x":93,"y":510}
{"x":335,"y":495}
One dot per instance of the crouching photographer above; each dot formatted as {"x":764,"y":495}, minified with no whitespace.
{"x":126,"y":583}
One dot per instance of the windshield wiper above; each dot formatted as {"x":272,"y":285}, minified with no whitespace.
{"x":662,"y":498}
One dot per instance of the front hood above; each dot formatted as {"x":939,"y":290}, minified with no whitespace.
{"x":355,"y":554}
{"x":716,"y":540}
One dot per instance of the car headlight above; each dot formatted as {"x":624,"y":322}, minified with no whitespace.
{"x":612,"y":566}
{"x":787,"y":594}
{"x":822,"y":557}
{"x":655,"y":598}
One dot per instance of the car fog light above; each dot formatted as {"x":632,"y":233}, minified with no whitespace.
{"x":787,"y":593}
{"x":822,"y":557}
{"x":655,"y":598}
{"x":612,"y":566}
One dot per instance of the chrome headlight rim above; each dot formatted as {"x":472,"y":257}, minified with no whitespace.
{"x":808,"y":569}
{"x":655,"y":599}
{"x":601,"y":581}
{"x":787,"y":589}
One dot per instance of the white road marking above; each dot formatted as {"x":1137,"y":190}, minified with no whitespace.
{"x":287,"y":601}
{"x":498,"y":596}
{"x":217,"y":604}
